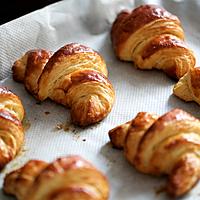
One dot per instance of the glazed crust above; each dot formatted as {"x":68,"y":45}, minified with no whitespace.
{"x":128,"y":22}
{"x":11,"y":130}
{"x":174,"y":136}
{"x":29,"y":68}
{"x":188,"y":87}
{"x":74,"y":76}
{"x":67,"y":178}
{"x":152,"y":37}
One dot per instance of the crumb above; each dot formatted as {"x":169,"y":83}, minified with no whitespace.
{"x":84,"y":140}
{"x":160,"y":190}
{"x":76,"y":137}
{"x":59,"y":126}
{"x":75,"y":131}
{"x":46,"y":112}
{"x":22,"y":151}
{"x":66,"y":127}
{"x":26,"y":124}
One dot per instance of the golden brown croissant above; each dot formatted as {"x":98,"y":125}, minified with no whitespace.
{"x":188,"y":87}
{"x":152,"y":37}
{"x":11,"y":130}
{"x":67,"y":178}
{"x":74,"y":76}
{"x":168,"y":145}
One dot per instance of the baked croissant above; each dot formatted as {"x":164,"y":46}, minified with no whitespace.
{"x":67,"y":178}
{"x":11,"y":130}
{"x":152,"y":37}
{"x":188,"y":87}
{"x":74,"y":76}
{"x":169,"y":145}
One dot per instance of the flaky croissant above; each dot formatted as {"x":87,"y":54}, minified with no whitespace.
{"x":74,"y":76}
{"x":188,"y":87}
{"x":152,"y":37}
{"x":169,"y":145}
{"x":11,"y":130}
{"x":67,"y":178}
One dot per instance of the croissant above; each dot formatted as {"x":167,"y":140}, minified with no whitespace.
{"x":188,"y":87}
{"x":165,"y":145}
{"x":11,"y":130}
{"x":152,"y":37}
{"x":74,"y":76}
{"x":67,"y":178}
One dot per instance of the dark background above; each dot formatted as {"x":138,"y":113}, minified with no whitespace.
{"x":12,"y":9}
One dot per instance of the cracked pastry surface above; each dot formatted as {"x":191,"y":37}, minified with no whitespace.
{"x":11,"y":130}
{"x":66,"y":178}
{"x":152,"y":37}
{"x":74,"y":76}
{"x":163,"y":145}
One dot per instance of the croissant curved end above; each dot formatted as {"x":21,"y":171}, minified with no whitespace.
{"x":184,"y":176}
{"x":90,"y":96}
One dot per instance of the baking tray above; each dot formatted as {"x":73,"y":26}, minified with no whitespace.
{"x":49,"y":133}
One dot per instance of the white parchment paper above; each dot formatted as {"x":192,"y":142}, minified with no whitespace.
{"x":88,"y":22}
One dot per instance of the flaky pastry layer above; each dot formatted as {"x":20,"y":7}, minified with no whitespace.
{"x":66,"y":178}
{"x":152,"y":38}
{"x":11,"y":130}
{"x":165,"y":145}
{"x":74,"y":76}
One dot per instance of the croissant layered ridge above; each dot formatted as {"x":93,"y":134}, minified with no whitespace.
{"x":66,"y":178}
{"x":74,"y":76}
{"x":163,"y":145}
{"x":11,"y":130}
{"x":152,"y":37}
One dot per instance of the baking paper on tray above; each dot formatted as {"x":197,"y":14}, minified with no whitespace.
{"x":50,"y":134}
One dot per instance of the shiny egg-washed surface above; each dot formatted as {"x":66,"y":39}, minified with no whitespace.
{"x":163,"y":145}
{"x":74,"y":76}
{"x":69,"y":178}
